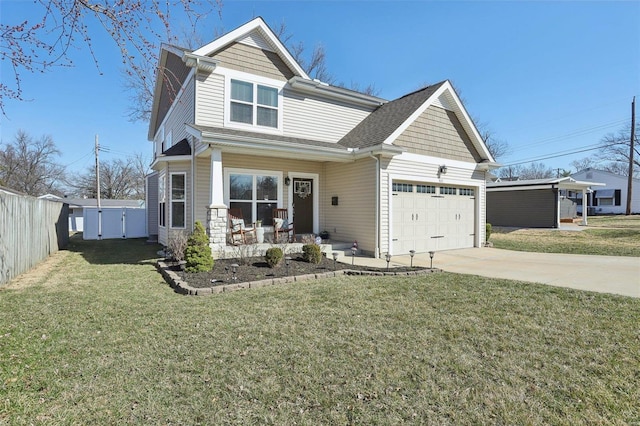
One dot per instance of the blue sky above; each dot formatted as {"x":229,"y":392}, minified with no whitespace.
{"x":546,"y":77}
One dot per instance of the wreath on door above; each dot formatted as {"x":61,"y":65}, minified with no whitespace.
{"x":302,"y":188}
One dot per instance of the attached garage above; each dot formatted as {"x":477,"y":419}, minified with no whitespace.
{"x":430,"y":217}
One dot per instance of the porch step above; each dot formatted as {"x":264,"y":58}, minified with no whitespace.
{"x":251,"y":250}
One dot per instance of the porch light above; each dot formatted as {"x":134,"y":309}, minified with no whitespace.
{"x":412,"y":253}
{"x":335,"y":257}
{"x":234,"y":270}
{"x":442,"y":170}
{"x":388,"y":258}
{"x":287,"y":180}
{"x":287,"y":261}
{"x":431,"y":254}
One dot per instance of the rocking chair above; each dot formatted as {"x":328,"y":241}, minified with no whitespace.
{"x":282,"y":226}
{"x":237,"y":227}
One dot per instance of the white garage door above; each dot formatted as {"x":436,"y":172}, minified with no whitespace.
{"x":432,"y":217}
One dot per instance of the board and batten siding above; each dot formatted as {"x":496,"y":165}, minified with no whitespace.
{"x":438,"y":132}
{"x":308,"y":117}
{"x":535,"y":208}
{"x":250,"y":59}
{"x":353,"y":219}
{"x":423,"y":172}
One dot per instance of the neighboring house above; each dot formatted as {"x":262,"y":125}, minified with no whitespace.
{"x":612,"y":197}
{"x":238,"y":123}
{"x":534,"y":203}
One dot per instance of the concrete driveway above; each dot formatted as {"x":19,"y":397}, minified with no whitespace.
{"x":604,"y":274}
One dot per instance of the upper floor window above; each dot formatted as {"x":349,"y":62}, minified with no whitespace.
{"x":254,"y":104}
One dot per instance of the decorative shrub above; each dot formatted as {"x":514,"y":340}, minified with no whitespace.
{"x":311,"y":253}
{"x":177,"y":245}
{"x":198,"y":253}
{"x":488,"y":227}
{"x":273,"y":256}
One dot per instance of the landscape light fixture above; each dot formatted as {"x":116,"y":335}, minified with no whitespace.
{"x":353,"y":254}
{"x":412,"y":253}
{"x":388,"y":258}
{"x":431,"y":254}
{"x":234,"y":270}
{"x":335,"y":257}
{"x":287,"y":261}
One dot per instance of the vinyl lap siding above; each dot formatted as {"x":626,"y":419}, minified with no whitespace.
{"x":438,"y":133}
{"x":307,"y":117}
{"x":175,"y":75}
{"x":210,"y":100}
{"x":354,"y":216}
{"x":242,"y":57}
{"x":182,"y":113}
{"x":202,"y":188}
{"x":152,"y":204}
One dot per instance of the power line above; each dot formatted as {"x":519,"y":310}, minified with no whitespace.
{"x":555,"y":155}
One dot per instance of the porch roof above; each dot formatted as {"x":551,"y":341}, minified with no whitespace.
{"x":232,"y":140}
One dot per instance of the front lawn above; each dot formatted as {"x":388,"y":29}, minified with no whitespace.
{"x":95,"y":336}
{"x":619,"y":241}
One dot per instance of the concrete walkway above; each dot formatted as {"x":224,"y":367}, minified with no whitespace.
{"x":604,"y":274}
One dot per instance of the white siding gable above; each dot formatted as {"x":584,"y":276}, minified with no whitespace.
{"x":255,"y":39}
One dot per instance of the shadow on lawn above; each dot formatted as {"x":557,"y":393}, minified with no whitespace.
{"x":118,"y":251}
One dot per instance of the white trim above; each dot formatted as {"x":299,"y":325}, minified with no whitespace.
{"x":315,"y":194}
{"x":458,"y":110}
{"x":171,"y":200}
{"x":255,"y":81}
{"x":241,"y":32}
{"x":427,"y":159}
{"x":253,"y":172}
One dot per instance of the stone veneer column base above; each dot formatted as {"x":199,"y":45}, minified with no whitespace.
{"x":217,"y":229}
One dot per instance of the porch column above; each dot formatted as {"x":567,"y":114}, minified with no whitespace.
{"x":584,"y":207}
{"x":217,"y":214}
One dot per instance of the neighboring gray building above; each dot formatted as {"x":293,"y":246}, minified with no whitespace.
{"x":535,"y":203}
{"x":612,"y":198}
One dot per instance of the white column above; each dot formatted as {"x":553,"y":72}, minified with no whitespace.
{"x":584,"y":207}
{"x":216,"y":197}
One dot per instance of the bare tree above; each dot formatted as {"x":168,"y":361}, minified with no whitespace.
{"x":510,"y":172}
{"x":29,"y":165}
{"x":62,"y":26}
{"x":536,"y":171}
{"x":615,"y":151}
{"x":119,"y":179}
{"x":584,"y":163}
{"x":498,"y":148}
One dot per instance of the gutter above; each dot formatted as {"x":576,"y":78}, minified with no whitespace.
{"x":318,"y":87}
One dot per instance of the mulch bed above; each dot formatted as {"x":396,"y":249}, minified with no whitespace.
{"x":256,"y":269}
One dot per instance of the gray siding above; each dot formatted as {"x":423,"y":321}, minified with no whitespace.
{"x":173,"y":76}
{"x":438,"y":133}
{"x":534,"y":208}
{"x":210,"y":100}
{"x":182,"y":113}
{"x":242,"y":57}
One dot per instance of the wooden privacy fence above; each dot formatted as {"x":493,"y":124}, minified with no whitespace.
{"x":30,"y":230}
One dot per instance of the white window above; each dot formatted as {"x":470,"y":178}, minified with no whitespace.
{"x":448,"y":190}
{"x":466,"y":191}
{"x":254,"y":104}
{"x":425,"y":189}
{"x":256,"y":193}
{"x":178,"y":200}
{"x":402,"y":187}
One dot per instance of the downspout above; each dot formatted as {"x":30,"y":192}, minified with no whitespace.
{"x":377,"y":209}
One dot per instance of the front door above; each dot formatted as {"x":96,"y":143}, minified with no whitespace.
{"x":303,"y":205}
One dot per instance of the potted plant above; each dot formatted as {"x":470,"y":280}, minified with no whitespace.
{"x":324,"y":235}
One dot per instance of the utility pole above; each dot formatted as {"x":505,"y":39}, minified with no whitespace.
{"x":97,"y":149}
{"x":631,"y":142}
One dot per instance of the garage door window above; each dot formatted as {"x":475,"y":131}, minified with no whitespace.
{"x":425,"y":189}
{"x":467,"y":191}
{"x":447,"y":190}
{"x":402,"y":187}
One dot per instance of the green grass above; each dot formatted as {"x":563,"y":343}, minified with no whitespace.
{"x":615,"y":221}
{"x":604,"y":239}
{"x":97,"y":337}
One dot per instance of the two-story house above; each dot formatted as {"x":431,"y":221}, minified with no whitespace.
{"x":238,"y":123}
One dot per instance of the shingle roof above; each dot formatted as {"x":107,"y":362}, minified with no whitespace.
{"x":181,"y":148}
{"x":382,"y":122}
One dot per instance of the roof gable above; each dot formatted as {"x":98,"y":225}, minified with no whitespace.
{"x":254,"y":33}
{"x":389,"y":121}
